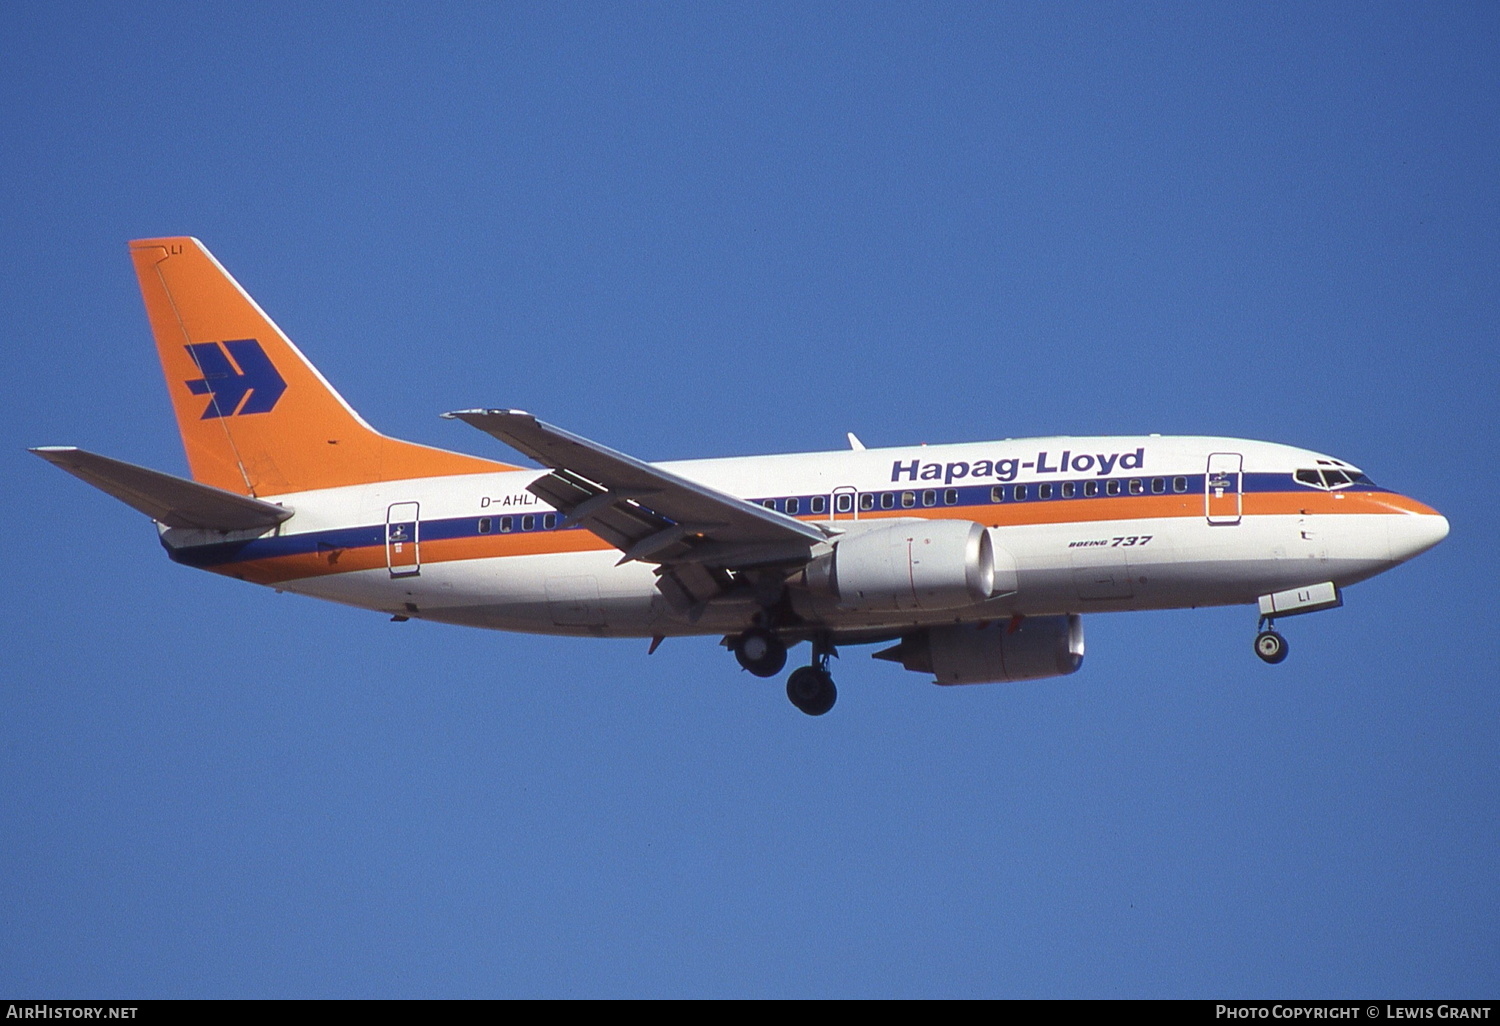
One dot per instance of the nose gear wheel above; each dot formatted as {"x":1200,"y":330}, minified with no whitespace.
{"x":1270,"y":645}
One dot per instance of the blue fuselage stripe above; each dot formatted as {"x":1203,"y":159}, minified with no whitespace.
{"x":373,"y":535}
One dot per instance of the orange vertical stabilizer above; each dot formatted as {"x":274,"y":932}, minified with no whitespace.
{"x":255,"y":416}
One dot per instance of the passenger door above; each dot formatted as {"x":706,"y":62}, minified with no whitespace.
{"x":1223,"y":487}
{"x":402,"y":524}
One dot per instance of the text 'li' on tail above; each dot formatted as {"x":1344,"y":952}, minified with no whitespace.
{"x":256,"y":418}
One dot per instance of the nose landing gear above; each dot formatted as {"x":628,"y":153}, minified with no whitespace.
{"x":1269,"y":645}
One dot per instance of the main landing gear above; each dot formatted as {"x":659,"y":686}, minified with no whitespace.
{"x":760,"y":651}
{"x":810,"y":688}
{"x":1269,"y":645}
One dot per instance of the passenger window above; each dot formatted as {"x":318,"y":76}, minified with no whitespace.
{"x":1111,"y":488}
{"x":1019,"y":493}
{"x":1158,"y":485}
{"x":950,"y":496}
{"x":769,"y":504}
{"x":1044,"y":491}
{"x":819,"y":504}
{"x":507,"y":524}
{"x":1090,"y":489}
{"x":1179,"y":484}
{"x":793,"y":505}
{"x":908,"y":500}
{"x":549,"y":521}
{"x":844,"y":502}
{"x":1069,"y":489}
{"x":528,"y":523}
{"x":887,"y":500}
{"x":929,"y":498}
{"x":867,"y":501}
{"x":997,"y":494}
{"x":1136,"y":488}
{"x":484,"y":525}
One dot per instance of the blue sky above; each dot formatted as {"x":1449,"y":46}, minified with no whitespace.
{"x":715,"y":229}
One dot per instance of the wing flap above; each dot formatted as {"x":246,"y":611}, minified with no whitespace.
{"x":165,"y":498}
{"x":606,"y":513}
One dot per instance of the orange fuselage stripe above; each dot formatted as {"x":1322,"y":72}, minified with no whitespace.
{"x":280,"y":569}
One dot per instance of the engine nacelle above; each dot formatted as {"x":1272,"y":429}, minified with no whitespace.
{"x":1040,"y":646}
{"x":915,"y":564}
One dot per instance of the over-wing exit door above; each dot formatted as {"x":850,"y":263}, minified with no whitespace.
{"x":845,"y":504}
{"x":401,"y":527}
{"x":1223,"y":488}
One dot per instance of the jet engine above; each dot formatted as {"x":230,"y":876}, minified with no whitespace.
{"x":915,"y":564}
{"x":1041,"y":646}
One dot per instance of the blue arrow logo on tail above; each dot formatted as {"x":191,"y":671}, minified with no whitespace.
{"x":256,"y":377}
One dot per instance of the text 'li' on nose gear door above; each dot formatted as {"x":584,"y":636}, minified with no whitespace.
{"x":401,"y":540}
{"x":1223,"y":498}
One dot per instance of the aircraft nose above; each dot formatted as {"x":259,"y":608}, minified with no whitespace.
{"x":1415,"y":533}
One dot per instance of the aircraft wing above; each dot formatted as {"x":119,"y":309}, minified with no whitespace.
{"x":650,"y":514}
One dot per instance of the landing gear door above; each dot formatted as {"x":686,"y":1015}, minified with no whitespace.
{"x":1223,"y":488}
{"x":401,"y":527}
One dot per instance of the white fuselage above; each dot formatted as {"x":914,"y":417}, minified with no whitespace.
{"x":1077,"y":525}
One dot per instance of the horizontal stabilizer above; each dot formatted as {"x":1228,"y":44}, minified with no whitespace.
{"x":170,"y":500}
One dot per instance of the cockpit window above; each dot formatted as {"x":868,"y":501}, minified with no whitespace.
{"x":1330,"y":480}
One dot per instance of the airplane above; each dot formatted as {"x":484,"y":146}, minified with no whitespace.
{"x":972,"y":562}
